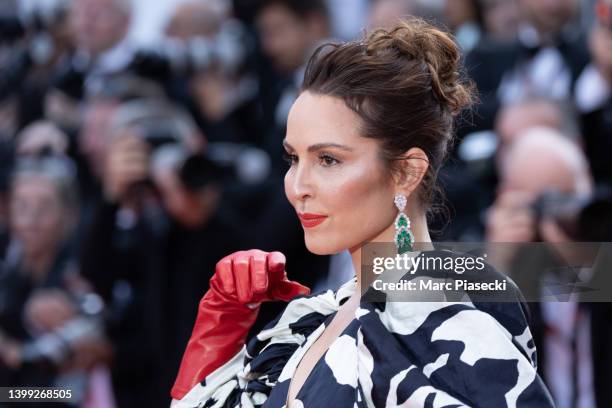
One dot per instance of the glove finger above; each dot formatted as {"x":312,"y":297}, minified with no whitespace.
{"x":225,"y":276}
{"x":287,"y":290}
{"x":259,"y":273}
{"x":276,"y":266}
{"x":240,"y":269}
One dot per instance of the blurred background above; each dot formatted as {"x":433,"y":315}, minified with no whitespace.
{"x":140,"y":142}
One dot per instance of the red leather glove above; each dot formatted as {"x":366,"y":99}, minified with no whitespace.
{"x":227,"y":311}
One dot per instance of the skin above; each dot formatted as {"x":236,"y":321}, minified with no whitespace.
{"x":93,"y":138}
{"x":38,"y":221}
{"x":385,"y":13}
{"x":48,"y":309}
{"x":336,"y":172}
{"x":511,"y":219}
{"x":97,"y":25}
{"x":348,"y":183}
{"x":600,"y":43}
{"x":514,"y":120}
{"x":128,"y":162}
{"x":41,"y":221}
{"x":458,"y":12}
{"x":190,"y":209}
{"x":501,"y":19}
{"x":192,"y":19}
{"x":523,"y":179}
{"x":548,"y":16}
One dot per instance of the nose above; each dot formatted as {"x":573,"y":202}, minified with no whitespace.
{"x":298,"y":184}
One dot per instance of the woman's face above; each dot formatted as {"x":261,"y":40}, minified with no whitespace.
{"x":336,"y":181}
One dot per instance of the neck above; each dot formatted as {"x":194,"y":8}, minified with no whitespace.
{"x":419,"y":230}
{"x":38,"y":265}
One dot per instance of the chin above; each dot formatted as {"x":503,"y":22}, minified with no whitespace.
{"x":323,"y":246}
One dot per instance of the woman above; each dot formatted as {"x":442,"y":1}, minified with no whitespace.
{"x":365,"y":139}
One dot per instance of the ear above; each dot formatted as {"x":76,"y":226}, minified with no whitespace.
{"x":412,"y":167}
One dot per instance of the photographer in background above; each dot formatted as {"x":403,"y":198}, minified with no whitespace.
{"x":102,"y":99}
{"x":99,"y":31}
{"x":153,"y":242}
{"x":288,"y":33}
{"x":211,"y":74}
{"x":50,"y":331}
{"x":594,"y":96}
{"x":34,"y":40}
{"x":99,"y":46}
{"x":544,"y":60}
{"x":546,"y":195}
{"x":204,"y":62}
{"x":529,"y":168}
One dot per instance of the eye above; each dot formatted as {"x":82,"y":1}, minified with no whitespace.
{"x":328,"y":160}
{"x":290,"y":158}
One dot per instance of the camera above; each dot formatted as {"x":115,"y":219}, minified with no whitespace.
{"x":57,"y":345}
{"x":227,"y":50}
{"x":162,"y":125}
{"x":583,"y":218}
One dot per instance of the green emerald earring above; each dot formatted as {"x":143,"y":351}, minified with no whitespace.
{"x":403,"y":235}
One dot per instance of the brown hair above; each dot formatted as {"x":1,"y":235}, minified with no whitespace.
{"x":406,"y":84}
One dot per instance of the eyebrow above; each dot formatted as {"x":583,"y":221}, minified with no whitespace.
{"x":319,"y":146}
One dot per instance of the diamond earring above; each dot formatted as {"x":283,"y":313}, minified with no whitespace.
{"x":403,"y":235}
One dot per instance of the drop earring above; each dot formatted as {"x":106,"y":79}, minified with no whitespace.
{"x":403,"y":235}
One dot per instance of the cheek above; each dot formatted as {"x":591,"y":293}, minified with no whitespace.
{"x":360,"y":204}
{"x":50,"y":223}
{"x":360,"y":199}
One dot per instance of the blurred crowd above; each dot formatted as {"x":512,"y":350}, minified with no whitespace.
{"x":127,"y":170}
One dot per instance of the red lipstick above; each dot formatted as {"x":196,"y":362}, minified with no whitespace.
{"x":310,"y":220}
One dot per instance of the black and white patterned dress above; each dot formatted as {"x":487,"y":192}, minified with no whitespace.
{"x":392,"y":354}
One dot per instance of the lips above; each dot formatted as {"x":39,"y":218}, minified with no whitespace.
{"x":310,"y":220}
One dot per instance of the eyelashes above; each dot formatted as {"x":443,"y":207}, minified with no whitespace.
{"x":289,"y":158}
{"x":328,"y":160}
{"x":325,"y":159}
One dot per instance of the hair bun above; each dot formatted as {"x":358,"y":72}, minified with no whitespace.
{"x":406,"y":84}
{"x":414,"y":39}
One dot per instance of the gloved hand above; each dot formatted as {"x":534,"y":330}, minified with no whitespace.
{"x":227,"y":311}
